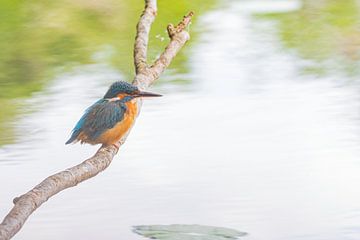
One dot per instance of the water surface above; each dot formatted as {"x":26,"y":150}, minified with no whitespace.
{"x":242,"y":139}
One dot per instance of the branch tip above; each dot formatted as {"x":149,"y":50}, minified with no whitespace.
{"x":172,"y":31}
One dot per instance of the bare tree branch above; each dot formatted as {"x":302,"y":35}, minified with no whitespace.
{"x":27,"y":203}
{"x":142,"y":36}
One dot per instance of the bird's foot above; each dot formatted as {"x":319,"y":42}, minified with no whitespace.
{"x":117,"y":146}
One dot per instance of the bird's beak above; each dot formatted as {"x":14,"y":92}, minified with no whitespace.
{"x":147,"y":94}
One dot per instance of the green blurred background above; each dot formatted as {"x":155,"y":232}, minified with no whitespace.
{"x":40,"y":39}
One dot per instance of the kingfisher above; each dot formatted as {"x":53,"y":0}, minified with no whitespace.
{"x":108,"y":119}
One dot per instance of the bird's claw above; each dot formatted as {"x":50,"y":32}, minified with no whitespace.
{"x":117,"y":146}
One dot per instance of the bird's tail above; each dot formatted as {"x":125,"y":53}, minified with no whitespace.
{"x":73,"y":137}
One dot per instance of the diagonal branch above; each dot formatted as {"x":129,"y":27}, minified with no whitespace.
{"x":27,"y":203}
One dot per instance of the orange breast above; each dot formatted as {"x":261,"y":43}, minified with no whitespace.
{"x":114,"y":134}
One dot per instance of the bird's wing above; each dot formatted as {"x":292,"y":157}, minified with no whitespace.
{"x":99,"y":117}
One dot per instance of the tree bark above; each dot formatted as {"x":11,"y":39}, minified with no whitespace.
{"x":27,"y":203}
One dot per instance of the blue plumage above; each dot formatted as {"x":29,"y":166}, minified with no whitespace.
{"x":98,"y":118}
{"x":120,"y":87}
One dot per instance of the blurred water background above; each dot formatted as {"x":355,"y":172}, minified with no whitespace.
{"x":258,"y":129}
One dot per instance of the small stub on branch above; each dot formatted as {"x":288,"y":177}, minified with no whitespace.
{"x":15,"y":200}
{"x":172,"y":30}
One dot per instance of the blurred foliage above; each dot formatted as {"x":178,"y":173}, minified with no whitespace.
{"x":325,"y":31}
{"x":8,"y":110}
{"x":41,"y":36}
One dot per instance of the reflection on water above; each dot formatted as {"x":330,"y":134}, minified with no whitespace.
{"x":250,"y":143}
{"x":187,"y":232}
{"x":326,"y":32}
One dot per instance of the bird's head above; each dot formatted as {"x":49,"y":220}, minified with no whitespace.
{"x":125,"y":91}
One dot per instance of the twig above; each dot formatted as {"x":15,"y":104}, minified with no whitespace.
{"x":27,"y":203}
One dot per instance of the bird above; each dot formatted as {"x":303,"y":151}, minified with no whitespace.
{"x":108,"y":119}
